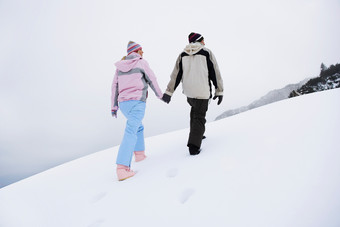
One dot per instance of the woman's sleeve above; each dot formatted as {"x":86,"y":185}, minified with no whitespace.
{"x":152,"y":80}
{"x":114,"y":93}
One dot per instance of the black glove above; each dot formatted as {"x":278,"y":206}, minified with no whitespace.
{"x":166,"y":98}
{"x":220,"y":98}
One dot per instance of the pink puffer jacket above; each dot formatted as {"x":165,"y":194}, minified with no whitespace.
{"x":131,"y":81}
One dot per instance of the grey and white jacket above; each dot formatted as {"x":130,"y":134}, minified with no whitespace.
{"x":196,"y":68}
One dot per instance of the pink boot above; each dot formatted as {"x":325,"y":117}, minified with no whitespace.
{"x":139,"y":156}
{"x":124,"y":172}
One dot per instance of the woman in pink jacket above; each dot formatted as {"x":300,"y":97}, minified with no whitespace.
{"x":129,"y":93}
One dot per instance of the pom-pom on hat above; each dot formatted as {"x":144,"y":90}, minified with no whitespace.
{"x":195,"y":37}
{"x":133,"y":47}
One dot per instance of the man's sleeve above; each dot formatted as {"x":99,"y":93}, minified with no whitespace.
{"x":175,"y":77}
{"x":217,"y":81}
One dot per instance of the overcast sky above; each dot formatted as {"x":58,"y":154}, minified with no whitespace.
{"x":57,"y":63}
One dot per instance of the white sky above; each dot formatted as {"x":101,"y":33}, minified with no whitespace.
{"x":56,"y":65}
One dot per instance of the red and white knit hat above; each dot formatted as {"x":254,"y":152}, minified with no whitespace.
{"x":133,"y":47}
{"x":195,"y":37}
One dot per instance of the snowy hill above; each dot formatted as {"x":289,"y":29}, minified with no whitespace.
{"x":277,"y":165}
{"x":272,"y":96}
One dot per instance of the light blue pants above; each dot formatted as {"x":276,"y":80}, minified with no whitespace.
{"x":133,"y":139}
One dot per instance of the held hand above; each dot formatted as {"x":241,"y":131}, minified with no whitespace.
{"x":114,"y":113}
{"x":166,"y":98}
{"x":220,"y":98}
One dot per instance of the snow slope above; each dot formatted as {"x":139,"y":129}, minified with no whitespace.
{"x":277,"y":165}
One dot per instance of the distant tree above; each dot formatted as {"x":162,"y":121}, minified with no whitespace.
{"x":329,"y":79}
{"x":294,"y":94}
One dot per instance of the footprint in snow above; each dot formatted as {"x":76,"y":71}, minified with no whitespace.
{"x":97,"y":223}
{"x":172,"y":172}
{"x":186,"y":194}
{"x":98,"y":197}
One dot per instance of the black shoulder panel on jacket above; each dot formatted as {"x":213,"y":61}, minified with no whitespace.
{"x":184,"y":54}
{"x":180,"y":72}
{"x":211,"y":69}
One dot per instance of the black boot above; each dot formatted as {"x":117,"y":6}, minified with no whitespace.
{"x":193,"y":150}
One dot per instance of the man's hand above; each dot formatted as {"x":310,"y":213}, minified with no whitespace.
{"x":166,"y":98}
{"x":220,"y":98}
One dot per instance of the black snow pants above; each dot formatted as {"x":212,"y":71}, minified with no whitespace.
{"x":199,"y":108}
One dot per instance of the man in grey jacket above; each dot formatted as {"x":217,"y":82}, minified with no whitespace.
{"x":196,"y":68}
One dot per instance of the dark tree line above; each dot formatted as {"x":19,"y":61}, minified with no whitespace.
{"x":329,"y":78}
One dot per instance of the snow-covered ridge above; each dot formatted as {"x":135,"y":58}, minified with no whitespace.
{"x":270,"y":97}
{"x":277,"y":165}
{"x":329,"y":78}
